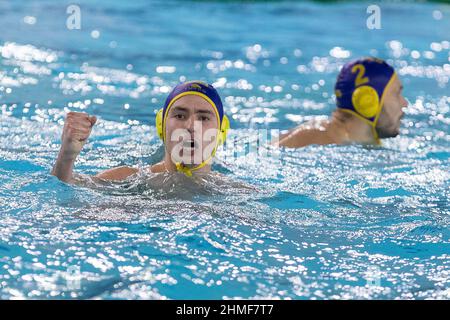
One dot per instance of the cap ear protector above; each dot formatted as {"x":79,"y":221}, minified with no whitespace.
{"x":224,"y":127}
{"x":159,"y":124}
{"x":366,"y":101}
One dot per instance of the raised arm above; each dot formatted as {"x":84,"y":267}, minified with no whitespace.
{"x":76,"y":131}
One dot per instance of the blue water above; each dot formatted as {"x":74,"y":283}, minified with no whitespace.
{"x":334,"y":222}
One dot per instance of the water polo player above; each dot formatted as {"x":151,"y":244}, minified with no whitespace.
{"x":369,"y":108}
{"x":192,"y":125}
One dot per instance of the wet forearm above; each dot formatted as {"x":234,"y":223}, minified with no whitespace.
{"x":63,"y":168}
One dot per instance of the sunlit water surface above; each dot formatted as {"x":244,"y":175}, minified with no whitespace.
{"x":314,"y":223}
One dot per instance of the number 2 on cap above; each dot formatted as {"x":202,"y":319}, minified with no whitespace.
{"x":360,"y":79}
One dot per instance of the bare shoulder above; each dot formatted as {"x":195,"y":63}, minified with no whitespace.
{"x":310,"y":133}
{"x":156,"y":168}
{"x":117,"y":174}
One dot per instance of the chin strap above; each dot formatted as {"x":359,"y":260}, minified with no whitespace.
{"x":372,"y":124}
{"x":181,"y":167}
{"x":375,"y":135}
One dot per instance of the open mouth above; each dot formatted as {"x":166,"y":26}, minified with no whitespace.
{"x":190,"y":144}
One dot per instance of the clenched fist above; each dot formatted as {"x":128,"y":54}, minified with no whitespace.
{"x":76,"y":131}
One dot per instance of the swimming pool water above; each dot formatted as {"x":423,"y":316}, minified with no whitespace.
{"x":322,"y":222}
